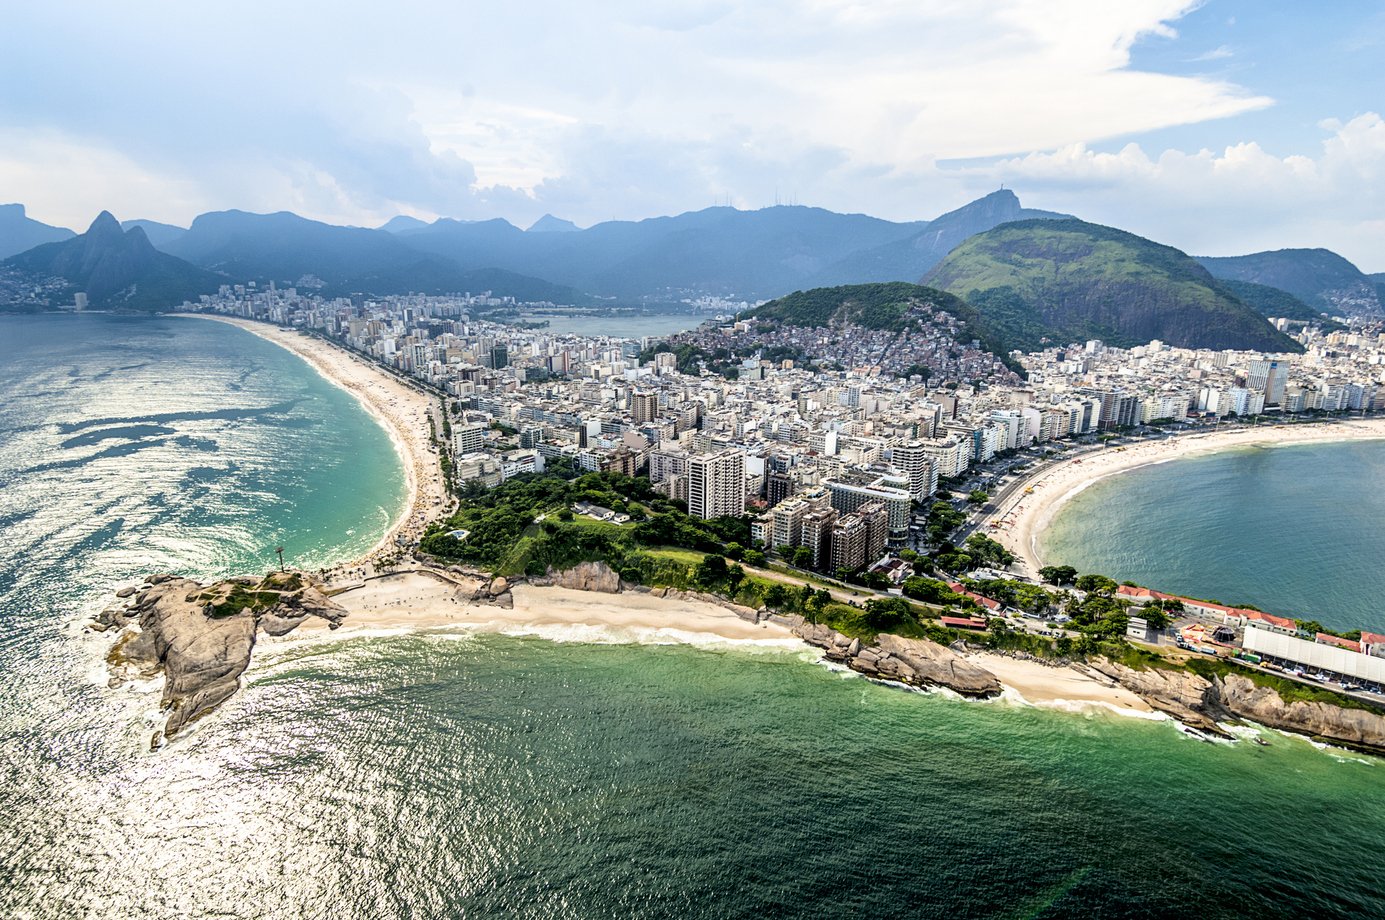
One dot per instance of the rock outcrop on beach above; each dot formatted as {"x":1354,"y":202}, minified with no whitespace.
{"x":585,"y":576}
{"x":1358,"y":728}
{"x":1202,"y":703}
{"x":200,"y":637}
{"x":917,"y":662}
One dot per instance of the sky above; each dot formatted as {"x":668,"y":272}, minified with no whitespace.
{"x":1219,"y":127}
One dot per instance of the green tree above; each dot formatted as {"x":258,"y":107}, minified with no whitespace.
{"x":887,"y":613}
{"x":1058,"y":574}
{"x":1097,"y":584}
{"x":754,"y":557}
{"x":735,"y":576}
{"x":1155,"y":616}
{"x":711,"y":572}
{"x":978,"y":497}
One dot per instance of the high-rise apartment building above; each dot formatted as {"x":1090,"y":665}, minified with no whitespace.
{"x":716,"y":484}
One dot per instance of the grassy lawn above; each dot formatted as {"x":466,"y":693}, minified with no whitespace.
{"x":691,"y":557}
{"x":580,"y":520}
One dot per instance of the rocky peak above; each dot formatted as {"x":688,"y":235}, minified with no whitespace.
{"x":105,"y":226}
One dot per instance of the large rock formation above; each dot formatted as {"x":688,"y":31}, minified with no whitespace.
{"x":200,"y":637}
{"x":1357,"y":728}
{"x":585,"y":576}
{"x":1180,"y":694}
{"x":1202,"y":702}
{"x":917,"y":662}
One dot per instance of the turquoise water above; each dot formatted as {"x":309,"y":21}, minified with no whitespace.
{"x":1295,"y":530}
{"x":437,"y":775}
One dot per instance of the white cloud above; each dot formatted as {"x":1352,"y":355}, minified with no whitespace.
{"x":1219,"y":53}
{"x":643,"y":107}
{"x":1233,"y":201}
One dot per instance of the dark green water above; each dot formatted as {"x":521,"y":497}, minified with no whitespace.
{"x":438,"y":775}
{"x":1294,"y":530}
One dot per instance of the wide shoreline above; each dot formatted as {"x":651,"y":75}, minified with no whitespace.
{"x":1026,"y":515}
{"x":421,"y":600}
{"x":399,"y":409}
{"x":427,"y":601}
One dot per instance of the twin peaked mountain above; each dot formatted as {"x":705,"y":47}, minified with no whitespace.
{"x":1034,"y":276}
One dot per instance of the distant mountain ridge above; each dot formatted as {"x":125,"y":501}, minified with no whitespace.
{"x":1052,"y":282}
{"x":550,"y":224}
{"x":20,"y":232}
{"x":159,"y":234}
{"x":718,"y":251}
{"x":910,"y":258}
{"x":115,"y":268}
{"x":1318,"y":277}
{"x":284,"y":247}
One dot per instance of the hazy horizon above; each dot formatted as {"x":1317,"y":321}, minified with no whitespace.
{"x":1218,"y":127}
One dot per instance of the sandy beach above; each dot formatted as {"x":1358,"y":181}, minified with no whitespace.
{"x":424,"y":600}
{"x":1025,"y":515}
{"x":1058,"y":687}
{"x":401,"y":410}
{"x":415,"y":600}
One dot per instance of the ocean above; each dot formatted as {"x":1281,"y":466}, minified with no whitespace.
{"x":446,"y":775}
{"x":1294,"y":530}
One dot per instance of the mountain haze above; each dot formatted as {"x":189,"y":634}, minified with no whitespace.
{"x":19,"y":232}
{"x":1052,"y":282}
{"x":286,"y":248}
{"x":116,"y":268}
{"x":719,"y":250}
{"x":550,"y":224}
{"x":159,"y":234}
{"x":908,"y":259}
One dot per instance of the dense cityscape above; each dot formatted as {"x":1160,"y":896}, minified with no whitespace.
{"x":840,"y":464}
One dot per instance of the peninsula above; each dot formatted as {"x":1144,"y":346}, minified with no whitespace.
{"x":529,"y":512}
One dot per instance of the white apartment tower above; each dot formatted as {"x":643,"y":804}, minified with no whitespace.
{"x":716,"y":484}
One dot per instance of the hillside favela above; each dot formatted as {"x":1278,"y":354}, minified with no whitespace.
{"x":693,"y":461}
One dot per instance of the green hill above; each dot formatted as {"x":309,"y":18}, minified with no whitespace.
{"x":896,"y":306}
{"x":1318,"y":277}
{"x":1271,"y":301}
{"x":1039,"y":283}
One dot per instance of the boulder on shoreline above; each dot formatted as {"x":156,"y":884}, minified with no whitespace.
{"x":585,"y":576}
{"x":917,"y":662}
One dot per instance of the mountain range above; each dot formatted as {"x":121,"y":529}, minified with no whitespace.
{"x":1123,"y":289}
{"x":115,"y":268}
{"x":719,"y":251}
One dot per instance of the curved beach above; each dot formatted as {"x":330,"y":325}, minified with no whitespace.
{"x":400,"y":409}
{"x":1024,"y":516}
